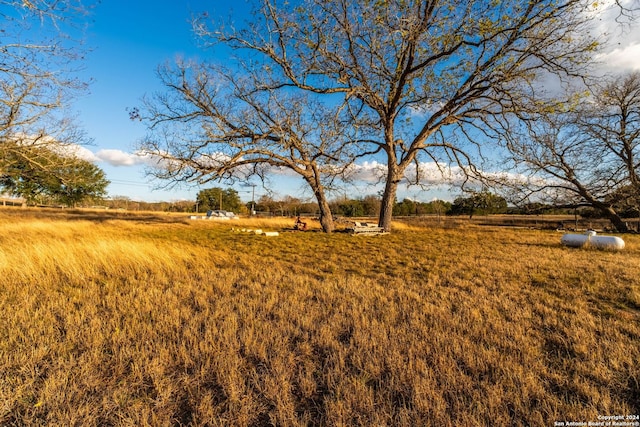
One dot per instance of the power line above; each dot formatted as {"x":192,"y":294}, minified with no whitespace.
{"x":129,"y":183}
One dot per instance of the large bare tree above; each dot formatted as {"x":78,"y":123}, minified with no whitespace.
{"x":213,"y":124}
{"x":585,"y":152}
{"x":440,"y":76}
{"x":40,"y":49}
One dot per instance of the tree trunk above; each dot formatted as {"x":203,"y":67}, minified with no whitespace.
{"x":606,"y":209}
{"x":389,"y":198}
{"x":615,"y":219}
{"x":326,"y":218}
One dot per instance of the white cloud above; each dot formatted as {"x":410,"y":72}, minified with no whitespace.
{"x":625,"y":58}
{"x":367,"y":171}
{"x":120,"y":158}
{"x":82,"y":153}
{"x":51,"y":143}
{"x":429,"y":173}
{"x":622,"y":50}
{"x":281,"y":171}
{"x":422,"y":110}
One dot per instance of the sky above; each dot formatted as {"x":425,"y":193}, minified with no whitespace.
{"x":130,"y":39}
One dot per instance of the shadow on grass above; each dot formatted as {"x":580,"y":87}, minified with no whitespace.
{"x":95,"y":216}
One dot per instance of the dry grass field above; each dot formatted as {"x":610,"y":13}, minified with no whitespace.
{"x":129,"y":320}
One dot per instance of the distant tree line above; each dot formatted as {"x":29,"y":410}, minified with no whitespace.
{"x":126,"y":203}
{"x":369,"y":206}
{"x":470,"y":204}
{"x":478,"y":203}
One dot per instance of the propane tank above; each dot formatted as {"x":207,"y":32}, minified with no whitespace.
{"x":590,"y":239}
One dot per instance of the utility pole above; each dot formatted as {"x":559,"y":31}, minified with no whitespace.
{"x":253,"y":193}
{"x":253,"y":196}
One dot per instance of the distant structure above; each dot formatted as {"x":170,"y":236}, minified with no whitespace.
{"x":12,"y":201}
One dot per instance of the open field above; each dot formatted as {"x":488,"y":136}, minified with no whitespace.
{"x":157,"y":320}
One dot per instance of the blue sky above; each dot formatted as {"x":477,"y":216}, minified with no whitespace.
{"x":129,"y":39}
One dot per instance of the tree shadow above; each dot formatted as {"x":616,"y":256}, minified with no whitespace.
{"x":93,"y":216}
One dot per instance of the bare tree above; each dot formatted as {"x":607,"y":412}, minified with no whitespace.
{"x":613,"y":123}
{"x":214,"y":124}
{"x":588,"y":153}
{"x":441,"y":77}
{"x":38,"y":49}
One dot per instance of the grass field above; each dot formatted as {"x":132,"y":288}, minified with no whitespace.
{"x":157,"y":320}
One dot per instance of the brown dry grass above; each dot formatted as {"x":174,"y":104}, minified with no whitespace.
{"x":143,"y":321}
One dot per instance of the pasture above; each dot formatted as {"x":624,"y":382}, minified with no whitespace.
{"x":157,"y":320}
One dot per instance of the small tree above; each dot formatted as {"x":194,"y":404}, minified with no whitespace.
{"x":406,"y":207}
{"x":81,"y":181}
{"x":371,"y":205}
{"x":483,"y":203}
{"x":219,"y":199}
{"x":350,"y":207}
{"x":43,"y":173}
{"x":119,"y":202}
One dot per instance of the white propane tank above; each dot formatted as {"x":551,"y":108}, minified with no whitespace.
{"x":591,"y":239}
